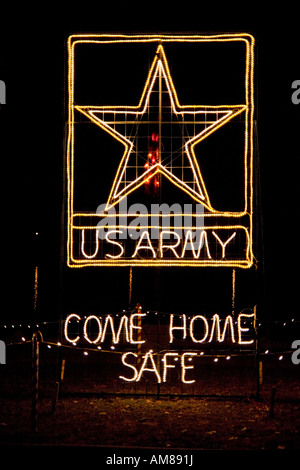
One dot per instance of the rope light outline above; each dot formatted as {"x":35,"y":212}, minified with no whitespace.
{"x":248,"y":107}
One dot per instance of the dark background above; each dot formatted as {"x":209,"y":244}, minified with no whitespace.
{"x":33,"y":64}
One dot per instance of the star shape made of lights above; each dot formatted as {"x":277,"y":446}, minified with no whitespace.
{"x":130,"y":125}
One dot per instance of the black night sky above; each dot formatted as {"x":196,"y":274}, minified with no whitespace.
{"x":33,"y":65}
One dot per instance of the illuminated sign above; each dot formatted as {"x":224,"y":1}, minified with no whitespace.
{"x":152,"y":179}
{"x":129,"y":330}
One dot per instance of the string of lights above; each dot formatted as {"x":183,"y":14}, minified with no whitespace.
{"x":214,"y":357}
{"x":32,"y":325}
{"x":21,"y":333}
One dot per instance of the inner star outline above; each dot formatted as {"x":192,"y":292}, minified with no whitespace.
{"x":219,"y":116}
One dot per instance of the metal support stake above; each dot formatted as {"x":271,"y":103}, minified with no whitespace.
{"x":59,"y":385}
{"x":130,"y":286}
{"x":35,"y":382}
{"x":257,"y":357}
{"x":233,"y":293}
{"x":158,"y":355}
